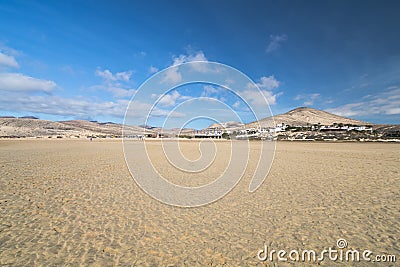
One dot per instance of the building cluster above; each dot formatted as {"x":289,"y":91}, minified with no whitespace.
{"x":281,"y":128}
{"x":259,"y":133}
{"x":344,"y":128}
{"x":209,"y":133}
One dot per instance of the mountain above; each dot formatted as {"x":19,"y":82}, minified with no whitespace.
{"x":104,"y":128}
{"x":29,"y":117}
{"x":32,"y":127}
{"x":227,"y":125}
{"x":27,"y":127}
{"x":21,"y":127}
{"x":303,"y":116}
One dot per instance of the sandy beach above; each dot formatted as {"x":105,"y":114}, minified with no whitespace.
{"x":74,"y":202}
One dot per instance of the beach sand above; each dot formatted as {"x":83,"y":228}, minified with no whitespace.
{"x":74,"y":202}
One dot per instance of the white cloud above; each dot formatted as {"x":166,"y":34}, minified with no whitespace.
{"x":266,"y":85}
{"x":347,"y":110}
{"x":169,"y":100}
{"x":308,"y":99}
{"x":21,"y":82}
{"x":78,"y":107}
{"x":106,"y":74}
{"x":193,"y":57}
{"x":236,"y":104}
{"x":9,"y":51}
{"x":153,"y":70}
{"x":123,"y":76}
{"x":117,"y":84}
{"x":56,"y":105}
{"x":139,"y":109}
{"x":17,"y":91}
{"x":315,"y":95}
{"x":172,"y":76}
{"x":185,"y":97}
{"x":384,"y":103}
{"x":255,"y":98}
{"x":393,"y":111}
{"x":214,"y":92}
{"x":308,"y":103}
{"x":121,"y":92}
{"x":198,"y":56}
{"x":119,"y":76}
{"x":116,"y":90}
{"x":8,"y":61}
{"x":229,"y":82}
{"x":275,"y":42}
{"x":209,"y":90}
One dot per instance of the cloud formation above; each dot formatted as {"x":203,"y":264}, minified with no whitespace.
{"x":266,"y":85}
{"x":56,"y":105}
{"x":275,"y":42}
{"x":169,"y":100}
{"x":117,"y":84}
{"x":308,"y":99}
{"x":153,"y":69}
{"x":384,"y":103}
{"x":209,"y":90}
{"x":77,"y":107}
{"x":8,"y":61}
{"x":19,"y":93}
{"x":109,"y":76}
{"x":198,"y":56}
{"x":255,"y":98}
{"x":173,"y":75}
{"x":23,"y":83}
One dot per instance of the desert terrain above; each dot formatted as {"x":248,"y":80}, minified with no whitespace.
{"x":74,"y":202}
{"x":303,"y":117}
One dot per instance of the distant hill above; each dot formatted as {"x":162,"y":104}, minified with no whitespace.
{"x":9,"y":117}
{"x":33,"y":127}
{"x":27,"y":127}
{"x":227,"y":125}
{"x":300,"y":117}
{"x":103,"y":128}
{"x":303,"y":116}
{"x":29,"y":117}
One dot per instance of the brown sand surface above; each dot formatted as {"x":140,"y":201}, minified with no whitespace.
{"x":73,"y":202}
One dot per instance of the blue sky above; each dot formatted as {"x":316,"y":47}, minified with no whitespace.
{"x":64,"y":60}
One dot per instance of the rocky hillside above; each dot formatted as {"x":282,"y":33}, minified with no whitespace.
{"x":227,"y":125}
{"x":304,"y":116}
{"x":27,"y":127}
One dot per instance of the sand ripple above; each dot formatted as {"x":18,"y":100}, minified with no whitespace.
{"x":74,"y":203}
